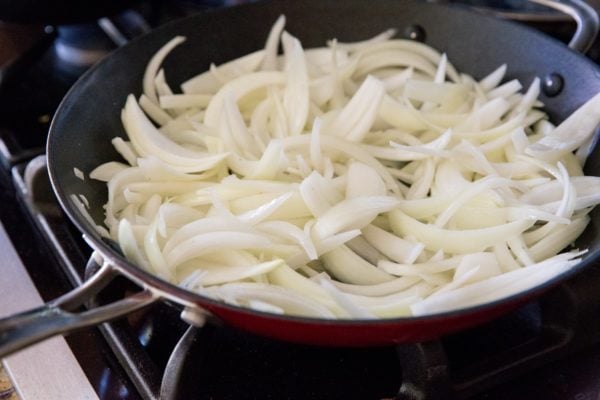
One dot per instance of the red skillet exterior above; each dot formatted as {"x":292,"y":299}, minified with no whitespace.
{"x":89,"y":117}
{"x":351,"y":334}
{"x":344,"y":333}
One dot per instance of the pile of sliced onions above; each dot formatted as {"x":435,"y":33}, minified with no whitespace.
{"x":356,"y":180}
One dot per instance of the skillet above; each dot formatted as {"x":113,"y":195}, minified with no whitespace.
{"x":89,"y":117}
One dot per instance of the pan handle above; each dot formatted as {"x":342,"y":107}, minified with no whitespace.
{"x":585,"y":17}
{"x":58,"y":316}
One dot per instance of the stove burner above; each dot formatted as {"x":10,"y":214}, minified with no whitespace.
{"x":82,"y":45}
{"x":79,"y":57}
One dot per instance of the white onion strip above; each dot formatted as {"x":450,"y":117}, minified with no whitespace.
{"x":356,"y":180}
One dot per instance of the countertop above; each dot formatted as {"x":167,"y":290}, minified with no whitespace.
{"x":7,"y":391}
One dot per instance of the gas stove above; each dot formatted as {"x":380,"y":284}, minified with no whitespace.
{"x":548,"y":349}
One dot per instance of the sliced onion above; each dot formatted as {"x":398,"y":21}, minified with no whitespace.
{"x":357,"y":180}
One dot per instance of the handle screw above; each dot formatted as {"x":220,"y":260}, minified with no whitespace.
{"x":415,"y":32}
{"x":553,"y":84}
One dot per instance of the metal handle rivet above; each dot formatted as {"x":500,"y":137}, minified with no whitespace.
{"x":553,"y":84}
{"x":194,"y":316}
{"x":415,"y":32}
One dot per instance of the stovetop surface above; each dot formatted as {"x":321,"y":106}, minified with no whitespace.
{"x":223,"y":363}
